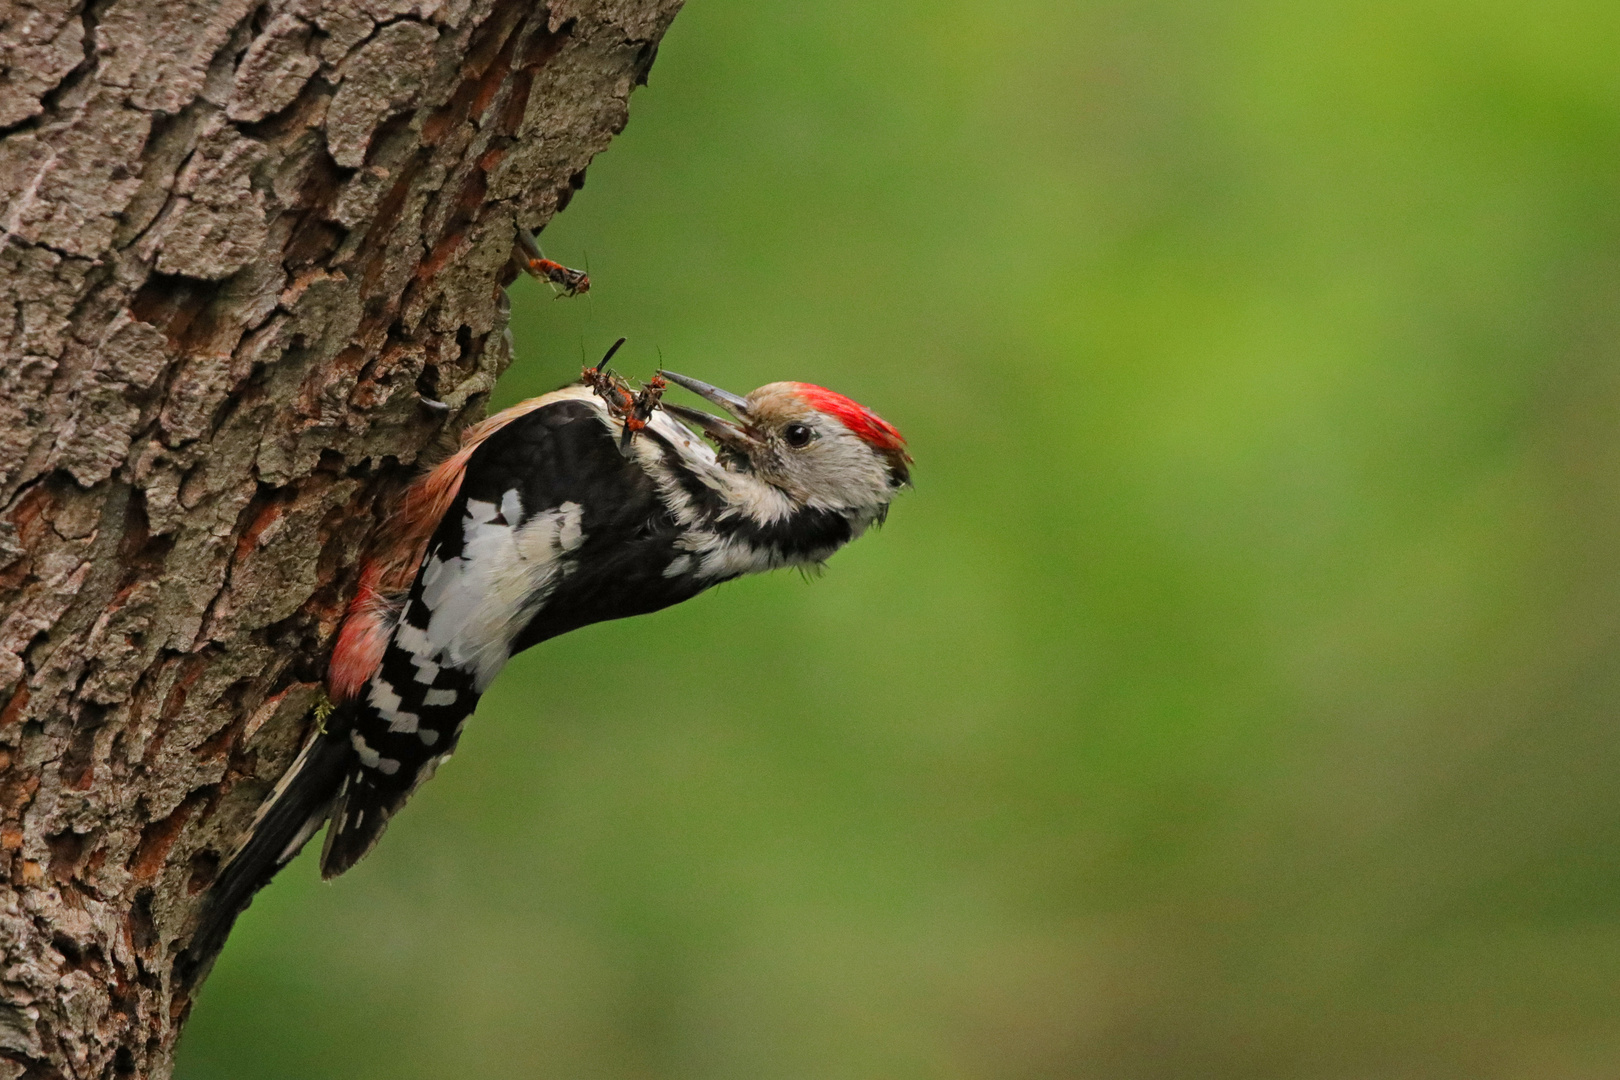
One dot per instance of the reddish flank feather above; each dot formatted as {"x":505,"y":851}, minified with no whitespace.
{"x":360,"y":644}
{"x":865,"y":424}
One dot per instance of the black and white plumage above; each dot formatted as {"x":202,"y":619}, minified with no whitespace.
{"x":542,"y":524}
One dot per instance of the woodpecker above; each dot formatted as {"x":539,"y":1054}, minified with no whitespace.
{"x":568,"y":509}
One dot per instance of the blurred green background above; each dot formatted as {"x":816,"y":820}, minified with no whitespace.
{"x":1236,"y":694}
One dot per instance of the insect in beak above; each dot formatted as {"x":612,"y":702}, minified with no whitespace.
{"x":634,"y":410}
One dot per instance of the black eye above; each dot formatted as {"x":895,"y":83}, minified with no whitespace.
{"x":797,"y":435}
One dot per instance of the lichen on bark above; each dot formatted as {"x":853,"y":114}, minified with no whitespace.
{"x":238,"y":243}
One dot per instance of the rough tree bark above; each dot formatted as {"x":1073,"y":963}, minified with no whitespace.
{"x":239,"y":240}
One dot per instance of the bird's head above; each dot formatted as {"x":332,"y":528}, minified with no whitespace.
{"x":821,"y":448}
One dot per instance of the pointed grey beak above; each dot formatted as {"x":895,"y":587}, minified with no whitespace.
{"x":731,"y":436}
{"x":721,"y":431}
{"x":733,"y":404}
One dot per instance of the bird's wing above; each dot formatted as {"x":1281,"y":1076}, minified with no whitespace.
{"x":505,"y":542}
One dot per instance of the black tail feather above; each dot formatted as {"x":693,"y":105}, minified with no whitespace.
{"x":365,"y":802}
{"x":360,"y":813}
{"x":290,"y":816}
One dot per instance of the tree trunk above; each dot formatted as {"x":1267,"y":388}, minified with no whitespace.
{"x":241,"y":241}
